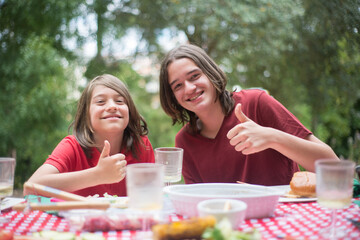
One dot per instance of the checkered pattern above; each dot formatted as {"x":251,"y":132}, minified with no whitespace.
{"x":290,"y":221}
{"x":303,"y":221}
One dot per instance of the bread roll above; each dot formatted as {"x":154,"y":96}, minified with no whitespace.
{"x":303,"y":184}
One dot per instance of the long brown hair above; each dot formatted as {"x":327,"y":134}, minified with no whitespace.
{"x":82,"y":129}
{"x":216,"y":76}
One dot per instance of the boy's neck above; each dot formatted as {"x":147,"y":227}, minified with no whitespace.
{"x":114,"y":140}
{"x":211,"y":121}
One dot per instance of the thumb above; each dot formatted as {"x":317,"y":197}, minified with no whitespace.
{"x":106,"y":150}
{"x":240,"y":115}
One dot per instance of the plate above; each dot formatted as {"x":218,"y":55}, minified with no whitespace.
{"x":261,"y":201}
{"x":9,"y":202}
{"x":116,"y":202}
{"x":285,"y":189}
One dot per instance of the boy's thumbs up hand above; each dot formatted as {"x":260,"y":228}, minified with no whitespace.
{"x":106,"y":150}
{"x":240,"y":115}
{"x":112,"y":168}
{"x":242,"y":118}
{"x":247,"y":136}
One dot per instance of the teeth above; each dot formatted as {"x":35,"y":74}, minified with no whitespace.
{"x":195,"y":97}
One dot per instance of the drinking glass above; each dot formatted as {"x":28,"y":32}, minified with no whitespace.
{"x":144,"y":185}
{"x":172,"y":158}
{"x":334,"y":187}
{"x":7,"y":172}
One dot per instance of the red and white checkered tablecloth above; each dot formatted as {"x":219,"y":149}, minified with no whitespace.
{"x":290,"y":221}
{"x":303,"y":221}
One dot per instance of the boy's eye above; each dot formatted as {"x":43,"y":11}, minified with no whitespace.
{"x":195,"y":76}
{"x":119,"y":100}
{"x":177,"y":86}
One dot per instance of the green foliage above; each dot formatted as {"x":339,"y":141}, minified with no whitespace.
{"x":36,"y":79}
{"x":328,"y":53}
{"x":34,"y":104}
{"x":21,"y":20}
{"x":162,"y":133}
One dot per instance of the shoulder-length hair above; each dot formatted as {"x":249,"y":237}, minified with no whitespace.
{"x":216,"y":76}
{"x":82,"y":128}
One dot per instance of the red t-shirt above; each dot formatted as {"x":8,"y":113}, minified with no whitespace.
{"x":215,"y":160}
{"x":68,"y":156}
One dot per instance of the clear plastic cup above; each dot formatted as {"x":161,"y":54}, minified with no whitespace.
{"x":172,"y":158}
{"x":144,"y":184}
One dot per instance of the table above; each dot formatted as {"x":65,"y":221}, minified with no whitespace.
{"x":290,"y":221}
{"x":302,"y":221}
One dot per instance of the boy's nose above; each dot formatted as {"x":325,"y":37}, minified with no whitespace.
{"x":111,"y":105}
{"x":189,"y":86}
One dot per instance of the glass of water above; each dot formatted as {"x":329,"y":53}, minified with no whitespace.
{"x":334,"y":188}
{"x":144,"y":186}
{"x":7,"y":173}
{"x":172,"y":158}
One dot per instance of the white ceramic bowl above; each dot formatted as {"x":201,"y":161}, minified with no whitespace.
{"x":233,"y":210}
{"x":261,"y":201}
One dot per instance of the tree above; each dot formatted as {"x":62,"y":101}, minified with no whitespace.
{"x":328,"y":53}
{"x":35,"y":77}
{"x":34,"y":105}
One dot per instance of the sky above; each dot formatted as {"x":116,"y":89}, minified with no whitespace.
{"x":122,"y":49}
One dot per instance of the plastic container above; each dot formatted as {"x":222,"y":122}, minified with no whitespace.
{"x":261,"y":201}
{"x":111,"y":220}
{"x":233,"y":210}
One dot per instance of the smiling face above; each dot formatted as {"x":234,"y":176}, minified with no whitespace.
{"x":191,"y":87}
{"x":108,"y":111}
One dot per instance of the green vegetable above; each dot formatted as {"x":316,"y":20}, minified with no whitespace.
{"x":110,"y":196}
{"x":223,"y":231}
{"x":212,"y":233}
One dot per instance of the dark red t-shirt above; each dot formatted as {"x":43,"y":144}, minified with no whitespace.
{"x":68,"y":156}
{"x":215,"y":160}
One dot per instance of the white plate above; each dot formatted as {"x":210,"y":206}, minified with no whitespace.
{"x":116,"y":202}
{"x":285,"y":189}
{"x":301,"y":199}
{"x":261,"y":201}
{"x":9,"y":202}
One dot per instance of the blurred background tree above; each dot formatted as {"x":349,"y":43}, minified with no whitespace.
{"x":305,"y":53}
{"x":36,"y":76}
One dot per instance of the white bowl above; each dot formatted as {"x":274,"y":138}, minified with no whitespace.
{"x":261,"y":201}
{"x":233,"y":210}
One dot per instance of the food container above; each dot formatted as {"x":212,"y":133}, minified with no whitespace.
{"x":261,"y":201}
{"x":233,"y":210}
{"x":113,"y":219}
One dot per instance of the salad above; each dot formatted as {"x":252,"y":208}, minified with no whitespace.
{"x":224,"y":231}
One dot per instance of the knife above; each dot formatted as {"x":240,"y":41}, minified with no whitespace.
{"x":57,"y":206}
{"x":46,"y":191}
